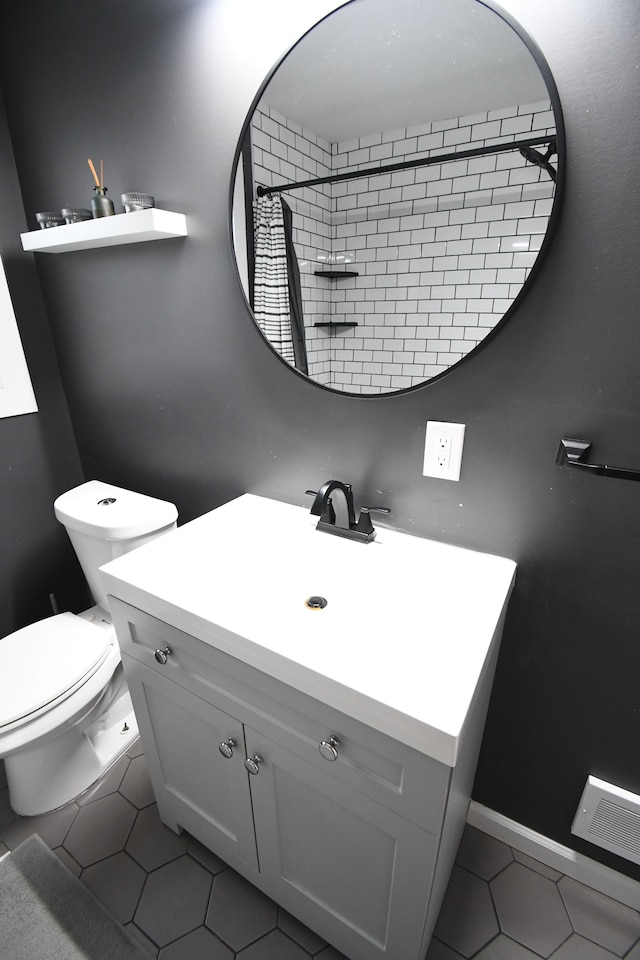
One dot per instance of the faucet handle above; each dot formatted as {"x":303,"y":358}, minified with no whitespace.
{"x":364,"y":524}
{"x":329,"y":515}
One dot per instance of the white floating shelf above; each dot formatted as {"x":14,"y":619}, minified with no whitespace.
{"x":136,"y":227}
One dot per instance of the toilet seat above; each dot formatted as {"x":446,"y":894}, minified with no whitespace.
{"x":45,"y":662}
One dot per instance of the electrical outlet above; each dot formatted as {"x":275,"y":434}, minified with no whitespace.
{"x":443,"y":450}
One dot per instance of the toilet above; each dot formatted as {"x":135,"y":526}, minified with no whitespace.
{"x":65,"y":710}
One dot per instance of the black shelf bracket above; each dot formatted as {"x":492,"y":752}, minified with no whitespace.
{"x":574,"y":453}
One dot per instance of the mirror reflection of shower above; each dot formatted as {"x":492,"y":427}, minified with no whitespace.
{"x":412,"y":239}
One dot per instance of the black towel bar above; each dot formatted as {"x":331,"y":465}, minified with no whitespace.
{"x":573,"y":453}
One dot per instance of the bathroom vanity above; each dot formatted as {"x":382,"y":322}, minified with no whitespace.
{"x":327,"y":753}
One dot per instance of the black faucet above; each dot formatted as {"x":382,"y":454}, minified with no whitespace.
{"x":362,"y":530}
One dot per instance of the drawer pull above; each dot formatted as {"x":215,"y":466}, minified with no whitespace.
{"x":252,"y":763}
{"x":226,"y":747}
{"x":162,"y":655}
{"x":328,"y":748}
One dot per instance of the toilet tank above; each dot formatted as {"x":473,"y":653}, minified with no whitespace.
{"x":104,"y":521}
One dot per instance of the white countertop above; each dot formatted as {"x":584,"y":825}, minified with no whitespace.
{"x":400,"y":646}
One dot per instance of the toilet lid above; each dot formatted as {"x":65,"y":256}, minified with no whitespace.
{"x":39,"y":663}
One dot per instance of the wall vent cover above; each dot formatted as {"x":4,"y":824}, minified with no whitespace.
{"x":609,"y":817}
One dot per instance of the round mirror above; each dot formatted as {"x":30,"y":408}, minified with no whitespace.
{"x":393,"y":190}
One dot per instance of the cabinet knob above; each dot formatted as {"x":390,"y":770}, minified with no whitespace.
{"x":226,"y":747}
{"x":162,"y":655}
{"x":328,"y":748}
{"x":252,"y":763}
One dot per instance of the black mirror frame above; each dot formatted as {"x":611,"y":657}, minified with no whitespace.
{"x":554,"y":216}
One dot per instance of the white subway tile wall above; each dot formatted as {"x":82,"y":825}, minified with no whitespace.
{"x":440,"y":251}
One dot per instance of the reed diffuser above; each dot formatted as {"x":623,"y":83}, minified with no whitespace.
{"x":101,"y":204}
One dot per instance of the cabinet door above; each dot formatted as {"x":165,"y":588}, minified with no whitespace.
{"x":344,"y":865}
{"x":197,"y":788}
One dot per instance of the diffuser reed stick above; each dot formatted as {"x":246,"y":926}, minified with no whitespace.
{"x":93,"y":171}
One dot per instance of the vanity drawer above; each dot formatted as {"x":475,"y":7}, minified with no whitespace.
{"x":401,"y":779}
{"x":394,"y":775}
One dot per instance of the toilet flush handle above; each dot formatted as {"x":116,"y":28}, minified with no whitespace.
{"x":162,"y":655}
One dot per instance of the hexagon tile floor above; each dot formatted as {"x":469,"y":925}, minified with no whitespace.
{"x":183,"y":903}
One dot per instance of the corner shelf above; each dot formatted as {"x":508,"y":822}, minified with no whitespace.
{"x":336,"y":274}
{"x":136,"y":227}
{"x":336,"y":323}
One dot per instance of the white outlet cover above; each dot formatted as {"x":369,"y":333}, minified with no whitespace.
{"x":435,"y":465}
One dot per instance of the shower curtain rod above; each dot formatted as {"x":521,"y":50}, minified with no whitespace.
{"x":522,"y":145}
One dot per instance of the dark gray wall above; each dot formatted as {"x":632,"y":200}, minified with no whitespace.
{"x":38,"y":454}
{"x":173,"y":392}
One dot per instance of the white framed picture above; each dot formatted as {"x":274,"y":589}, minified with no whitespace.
{"x":16,"y":391}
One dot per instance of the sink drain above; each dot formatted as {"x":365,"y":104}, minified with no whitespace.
{"x":315,"y":603}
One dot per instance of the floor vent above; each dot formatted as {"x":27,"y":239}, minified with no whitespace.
{"x":609,"y":817}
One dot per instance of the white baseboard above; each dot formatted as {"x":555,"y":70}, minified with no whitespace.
{"x":575,"y":865}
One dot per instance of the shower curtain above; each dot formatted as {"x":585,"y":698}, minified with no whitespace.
{"x":277,"y":300}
